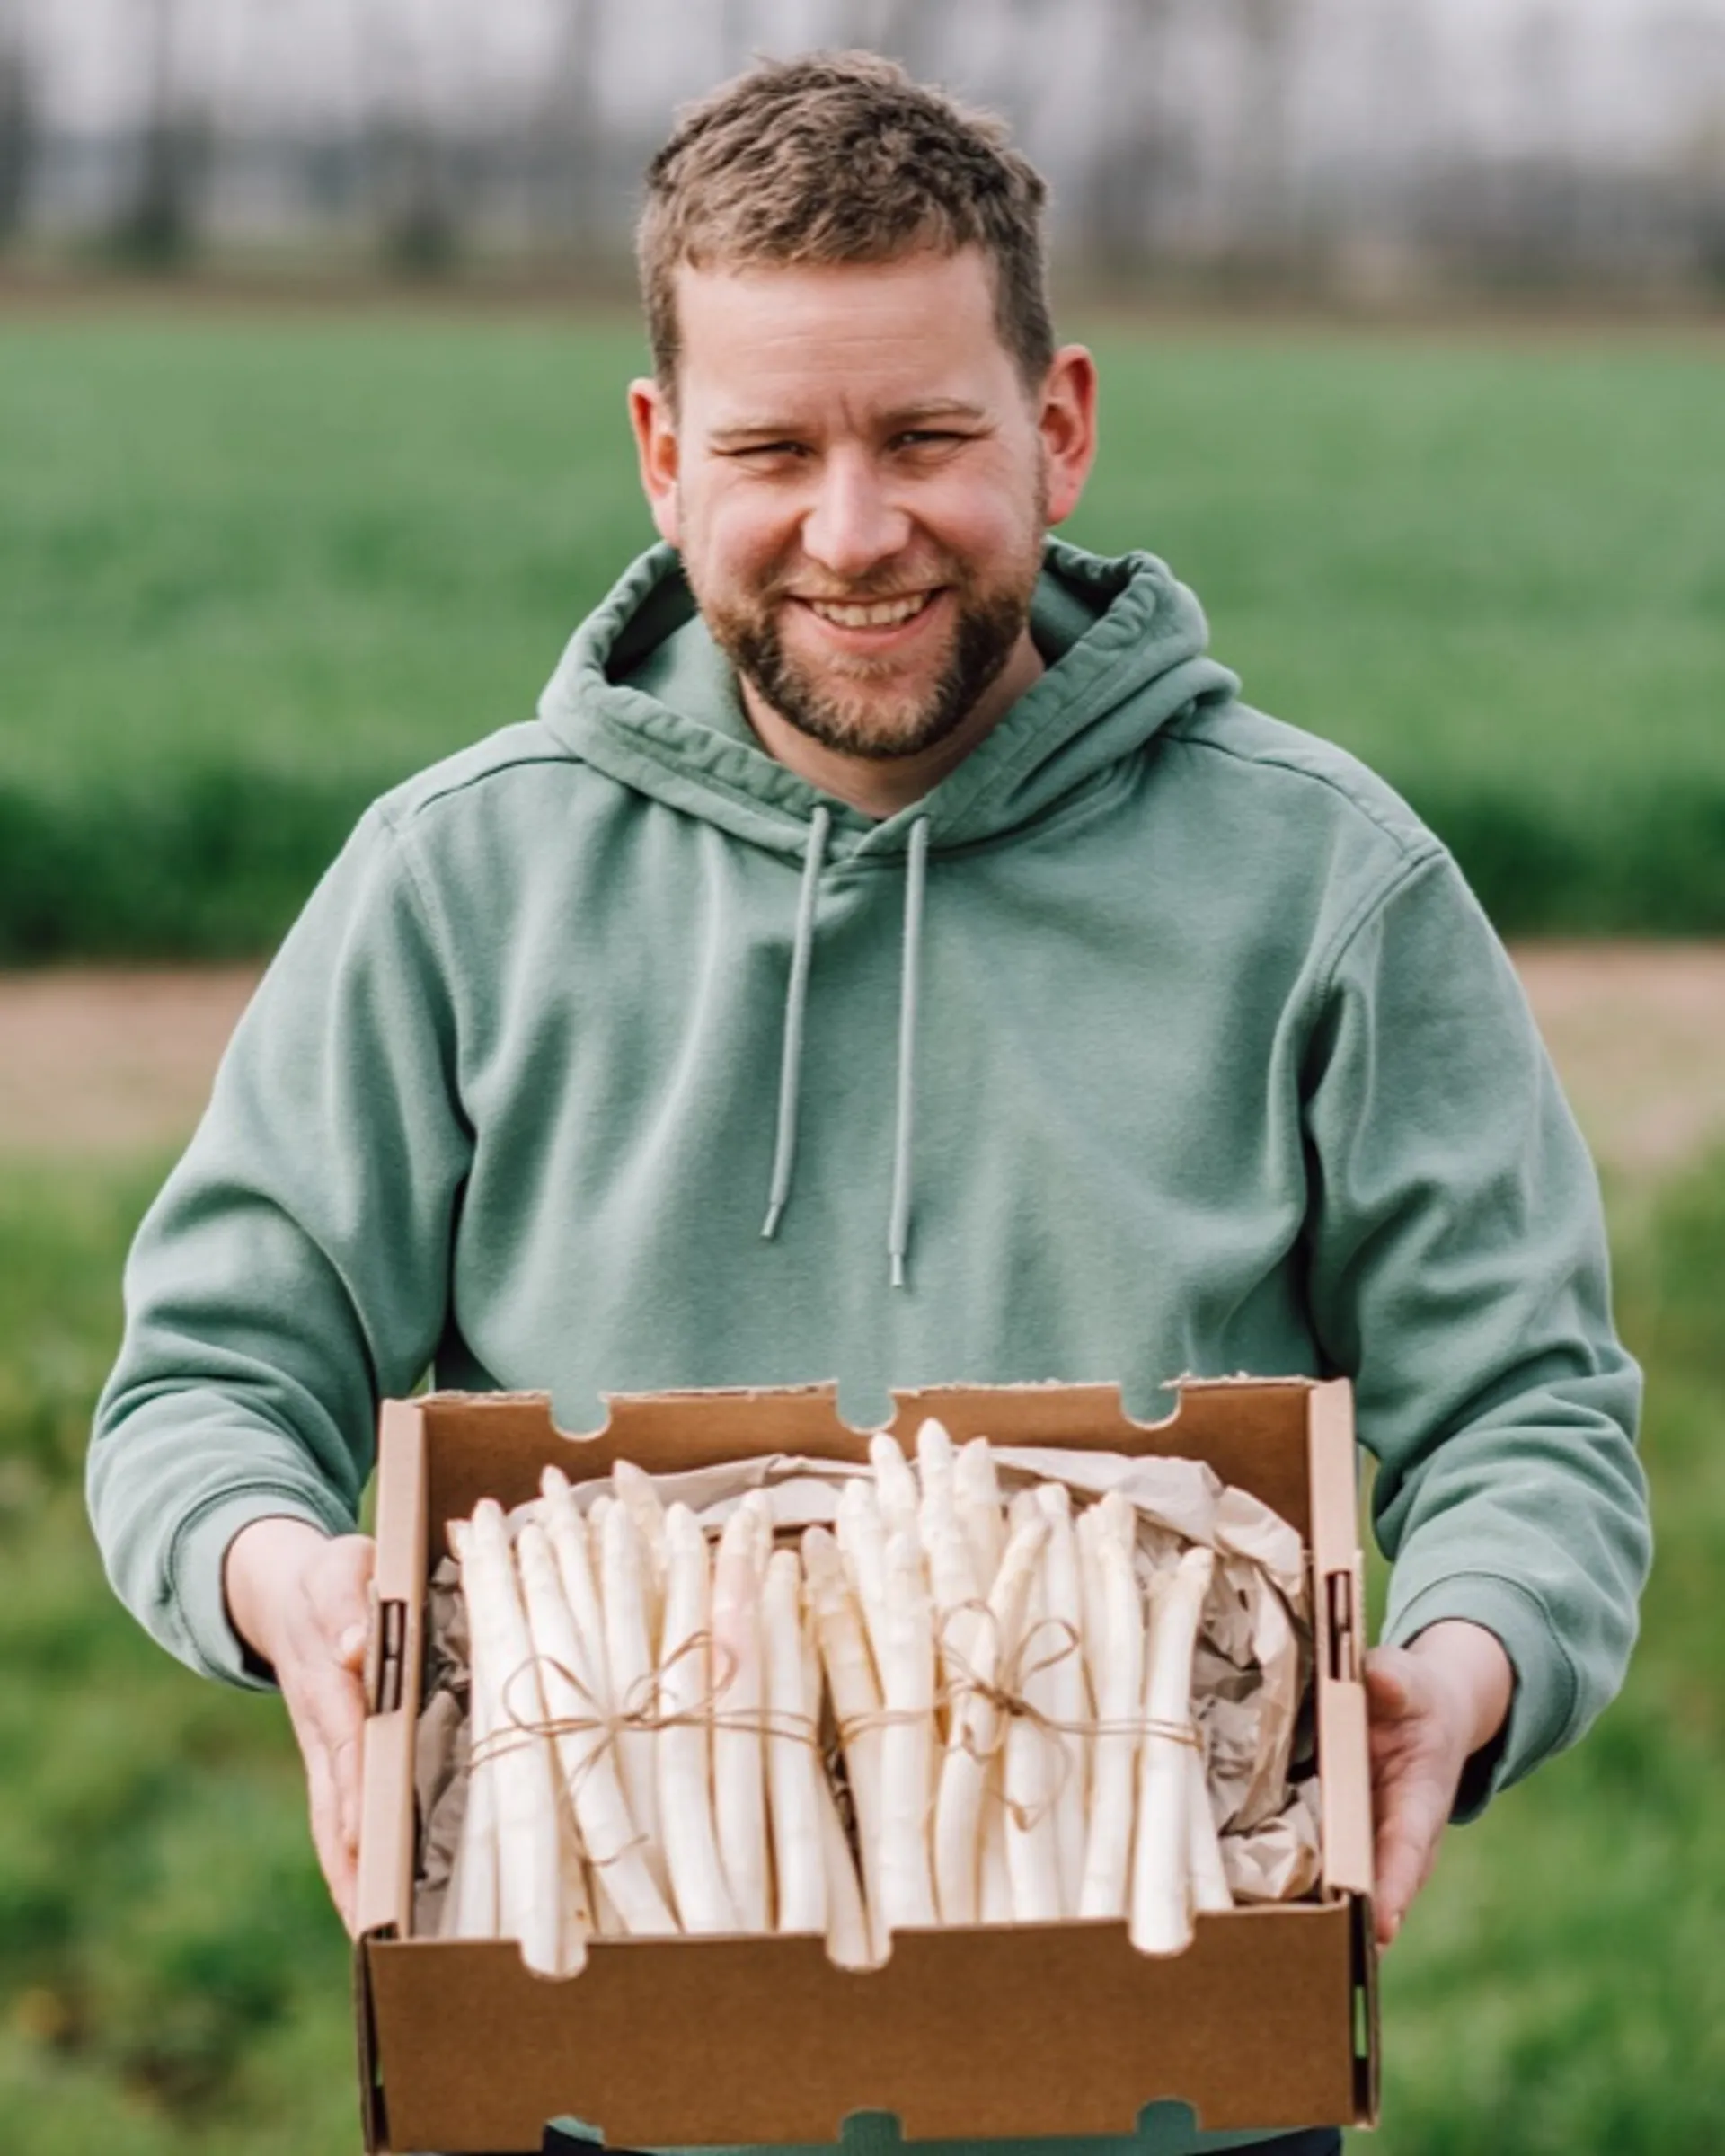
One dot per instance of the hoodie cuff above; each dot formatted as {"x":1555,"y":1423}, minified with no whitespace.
{"x":1542,"y":1705}
{"x":195,"y":1578}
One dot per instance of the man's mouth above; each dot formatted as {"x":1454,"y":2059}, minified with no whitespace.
{"x":871,"y":614}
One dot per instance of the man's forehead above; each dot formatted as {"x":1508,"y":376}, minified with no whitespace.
{"x":913,"y":336}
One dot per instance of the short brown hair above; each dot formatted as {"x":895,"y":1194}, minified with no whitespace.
{"x":840,"y":157}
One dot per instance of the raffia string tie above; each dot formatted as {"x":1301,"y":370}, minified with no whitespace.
{"x":644,"y":1711}
{"x":1005,"y":1695}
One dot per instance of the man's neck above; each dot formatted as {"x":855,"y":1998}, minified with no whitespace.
{"x":879,"y":786}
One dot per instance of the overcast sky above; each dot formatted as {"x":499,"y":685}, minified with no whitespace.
{"x":1626,"y":75}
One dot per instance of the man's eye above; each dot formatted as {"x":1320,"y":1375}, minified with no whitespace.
{"x":927,"y":437}
{"x":758,"y":451}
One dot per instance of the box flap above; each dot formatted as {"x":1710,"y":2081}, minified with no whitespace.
{"x":1339,"y":1600}
{"x":384,"y":1896}
{"x":966,"y":2034}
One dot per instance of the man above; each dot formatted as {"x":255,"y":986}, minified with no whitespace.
{"x":884,"y":874}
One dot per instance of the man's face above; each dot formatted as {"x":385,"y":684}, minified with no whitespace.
{"x":859,"y":481}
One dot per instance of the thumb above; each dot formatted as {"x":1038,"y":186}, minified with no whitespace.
{"x":1388,"y":1691}
{"x":341,"y":1596}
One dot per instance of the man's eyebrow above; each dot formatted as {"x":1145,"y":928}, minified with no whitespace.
{"x":767,"y":429}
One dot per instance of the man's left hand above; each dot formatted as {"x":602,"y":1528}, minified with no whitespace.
{"x":1433,"y":1704}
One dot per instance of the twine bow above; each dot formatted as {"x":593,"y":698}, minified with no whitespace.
{"x":643,"y":1710}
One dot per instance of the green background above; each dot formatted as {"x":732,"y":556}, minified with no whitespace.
{"x":251,"y":573}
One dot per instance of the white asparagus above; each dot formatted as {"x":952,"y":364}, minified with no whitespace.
{"x":856,"y":1704}
{"x":589,"y":1768}
{"x":634,"y":1488}
{"x":1119,"y":1657}
{"x":979,"y":1510}
{"x":965,"y":1771}
{"x":1160,"y":1902}
{"x":1088,"y":1535}
{"x":908,"y":1688}
{"x":704,"y":1904}
{"x":628,"y":1658}
{"x":995,"y":1887}
{"x":568,"y":1534}
{"x":848,"y":1936}
{"x":757,"y":1507}
{"x":608,"y":1919}
{"x":1033,"y":1758}
{"x":895,"y":1486}
{"x":470,"y":1908}
{"x":936,"y":1461}
{"x":792,"y":1767}
{"x":1068,"y":1693}
{"x":529,"y":1863}
{"x":1210,"y":1888}
{"x":955,"y":1594}
{"x":738,"y":1762}
{"x":862,"y":1544}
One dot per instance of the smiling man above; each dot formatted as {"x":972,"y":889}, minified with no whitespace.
{"x":859,"y":475}
{"x":886,"y":875}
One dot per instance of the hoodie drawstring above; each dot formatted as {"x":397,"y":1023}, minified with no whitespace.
{"x":796,"y":995}
{"x":910,"y":981}
{"x":784,"y":1150}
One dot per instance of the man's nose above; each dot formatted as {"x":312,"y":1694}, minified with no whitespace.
{"x":853,"y":524}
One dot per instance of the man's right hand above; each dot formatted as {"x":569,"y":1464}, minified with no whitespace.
{"x":300,"y":1600}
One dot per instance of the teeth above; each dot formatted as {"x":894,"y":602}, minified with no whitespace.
{"x":882,"y":614}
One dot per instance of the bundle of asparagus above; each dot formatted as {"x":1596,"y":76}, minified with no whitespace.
{"x":940,"y":1709}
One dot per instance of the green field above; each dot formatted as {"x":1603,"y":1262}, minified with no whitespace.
{"x":250,"y":573}
{"x":171,"y":1983}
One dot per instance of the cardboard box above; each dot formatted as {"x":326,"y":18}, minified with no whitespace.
{"x":1269,"y":2019}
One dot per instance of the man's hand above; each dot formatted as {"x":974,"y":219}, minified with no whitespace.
{"x":301,"y":1600}
{"x":1433,"y":1704}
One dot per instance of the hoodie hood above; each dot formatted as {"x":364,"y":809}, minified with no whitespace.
{"x":1125,"y":644}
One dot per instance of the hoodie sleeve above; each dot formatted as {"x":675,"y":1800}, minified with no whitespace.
{"x":1459,"y":1276}
{"x":293,"y":1269}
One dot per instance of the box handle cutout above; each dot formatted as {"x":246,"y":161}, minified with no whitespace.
{"x":1344,"y":1642}
{"x":385,"y":1653}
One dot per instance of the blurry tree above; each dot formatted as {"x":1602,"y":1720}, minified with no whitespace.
{"x":1687,"y":44}
{"x":156,"y":226}
{"x":1262,"y":216}
{"x":1132,"y":152}
{"x":407,"y":156}
{"x":17,"y":130}
{"x":567,"y":132}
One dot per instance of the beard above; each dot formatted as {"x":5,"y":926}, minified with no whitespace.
{"x":853,"y":707}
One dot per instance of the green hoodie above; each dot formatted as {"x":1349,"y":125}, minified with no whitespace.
{"x":1158,"y":1038}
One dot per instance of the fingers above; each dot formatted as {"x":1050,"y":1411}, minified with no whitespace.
{"x":338,"y":1591}
{"x":318,"y":1670}
{"x":336,"y":1856}
{"x":338,"y":1588}
{"x":1408,"y":1835}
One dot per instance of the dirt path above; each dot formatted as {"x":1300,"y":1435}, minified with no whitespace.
{"x":96,"y":1062}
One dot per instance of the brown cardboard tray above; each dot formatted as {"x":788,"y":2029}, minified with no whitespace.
{"x":1268,"y":2020}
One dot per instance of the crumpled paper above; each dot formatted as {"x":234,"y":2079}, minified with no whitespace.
{"x":1250,"y":1672}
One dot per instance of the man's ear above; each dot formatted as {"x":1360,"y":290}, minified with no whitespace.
{"x":654,"y":422}
{"x":1068,"y":424}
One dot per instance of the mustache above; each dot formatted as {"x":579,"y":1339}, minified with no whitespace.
{"x":864,"y":591}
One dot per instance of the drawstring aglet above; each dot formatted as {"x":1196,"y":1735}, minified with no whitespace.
{"x":775,"y":1213}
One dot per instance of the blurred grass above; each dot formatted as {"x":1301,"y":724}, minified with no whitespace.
{"x":252,"y":573}
{"x":172,"y":1979}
